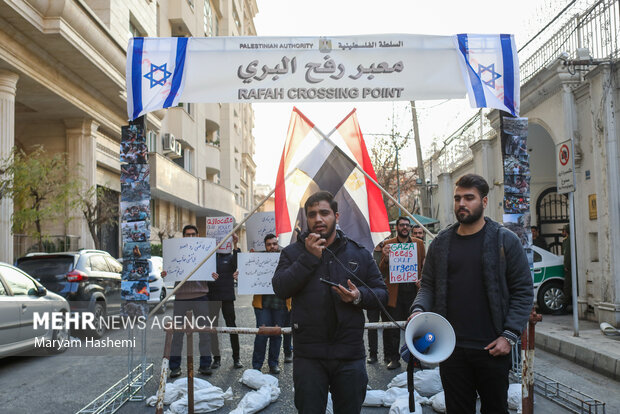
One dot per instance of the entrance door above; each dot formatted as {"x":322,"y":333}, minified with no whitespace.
{"x":552,"y":213}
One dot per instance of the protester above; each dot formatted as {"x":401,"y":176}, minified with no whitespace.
{"x":537,"y":239}
{"x":373,"y":315}
{"x":328,"y":321}
{"x":477,"y":276}
{"x":270,"y":310}
{"x":192,"y":295}
{"x":418,"y":232}
{"x":222,"y":297}
{"x":400,"y":295}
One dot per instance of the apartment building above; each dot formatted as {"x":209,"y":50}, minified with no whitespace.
{"x":62,"y":85}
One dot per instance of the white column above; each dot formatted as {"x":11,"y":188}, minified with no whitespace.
{"x":81,"y":144}
{"x":8,"y":87}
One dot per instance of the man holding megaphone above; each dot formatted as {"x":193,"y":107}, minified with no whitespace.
{"x":476,"y":275}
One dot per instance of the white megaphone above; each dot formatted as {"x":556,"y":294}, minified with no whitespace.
{"x":430,"y":337}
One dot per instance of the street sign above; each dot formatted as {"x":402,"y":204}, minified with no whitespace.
{"x":565,"y":167}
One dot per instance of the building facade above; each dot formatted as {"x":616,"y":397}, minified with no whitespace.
{"x":62,"y":85}
{"x":572,"y":95}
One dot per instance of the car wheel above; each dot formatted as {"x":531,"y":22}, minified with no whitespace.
{"x":551,"y":297}
{"x":99,"y":313}
{"x":162,"y":296}
{"x":60,"y":338}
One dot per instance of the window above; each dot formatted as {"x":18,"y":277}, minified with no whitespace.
{"x":19,"y":283}
{"x":151,"y":141}
{"x":236,"y":18}
{"x":187,"y":157}
{"x":537,"y":257}
{"x":114,"y":265}
{"x":2,"y":290}
{"x":209,"y":27}
{"x":98,"y":264}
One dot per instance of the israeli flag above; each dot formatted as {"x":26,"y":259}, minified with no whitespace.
{"x":155,"y":73}
{"x":490,"y":68}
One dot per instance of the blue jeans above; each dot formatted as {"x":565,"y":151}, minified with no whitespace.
{"x":268,"y":317}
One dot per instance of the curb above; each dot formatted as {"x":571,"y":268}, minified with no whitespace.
{"x":585,"y":356}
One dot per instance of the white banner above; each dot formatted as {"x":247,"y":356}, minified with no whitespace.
{"x":403,"y":263}
{"x":255,"y":272}
{"x":182,"y":255}
{"x":389,"y":67}
{"x":218,"y":228}
{"x":257,"y":227}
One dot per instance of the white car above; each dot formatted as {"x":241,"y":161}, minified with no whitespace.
{"x":20,"y":297}
{"x":548,"y":281}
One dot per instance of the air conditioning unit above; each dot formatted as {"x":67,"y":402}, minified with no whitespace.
{"x":178,"y":151}
{"x":170,"y":144}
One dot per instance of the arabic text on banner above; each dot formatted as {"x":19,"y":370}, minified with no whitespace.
{"x":257,"y":227}
{"x":255,"y":272}
{"x":182,"y":255}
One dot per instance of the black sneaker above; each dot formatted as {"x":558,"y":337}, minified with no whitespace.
{"x":274,"y":370}
{"x":237,"y":364}
{"x":393,"y":365}
{"x":175,"y":372}
{"x":372,"y":359}
{"x":205,"y":370}
{"x":216,"y":363}
{"x":288,"y":358}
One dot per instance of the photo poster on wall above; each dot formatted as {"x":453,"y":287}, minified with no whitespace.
{"x":516,"y":163}
{"x":135,"y":220}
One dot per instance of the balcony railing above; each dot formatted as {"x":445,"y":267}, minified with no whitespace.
{"x":596,"y":28}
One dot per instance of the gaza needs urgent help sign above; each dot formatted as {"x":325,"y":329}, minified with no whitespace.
{"x":403,"y":263}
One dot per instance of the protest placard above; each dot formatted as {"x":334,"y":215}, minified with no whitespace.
{"x":403,"y":263}
{"x":255,"y":272}
{"x":218,"y":228}
{"x":181,"y":256}
{"x":257,"y":227}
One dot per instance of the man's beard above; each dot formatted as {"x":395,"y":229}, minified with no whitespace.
{"x":405,"y":235}
{"x":330,"y":230}
{"x":471,"y":217}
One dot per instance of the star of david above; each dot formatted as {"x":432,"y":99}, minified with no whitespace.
{"x":151,"y":75}
{"x":494,"y":75}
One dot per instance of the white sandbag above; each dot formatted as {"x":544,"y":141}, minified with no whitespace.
{"x":427,"y":382}
{"x":199,"y":383}
{"x":401,"y":406}
{"x":399,"y":381}
{"x":438,"y":402}
{"x":329,"y":409}
{"x":374,"y":398}
{"x":514,"y":396}
{"x":206,"y":400}
{"x":171,"y":394}
{"x":393,"y":394}
{"x":256,"y":379}
{"x":254,"y":401}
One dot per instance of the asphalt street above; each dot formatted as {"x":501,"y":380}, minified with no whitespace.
{"x":68,"y":382}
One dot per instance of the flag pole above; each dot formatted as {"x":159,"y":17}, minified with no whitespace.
{"x":237,"y":227}
{"x":359,"y":167}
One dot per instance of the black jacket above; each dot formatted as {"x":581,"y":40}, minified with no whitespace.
{"x":506,"y":276}
{"x":224,"y":287}
{"x":324,"y":327}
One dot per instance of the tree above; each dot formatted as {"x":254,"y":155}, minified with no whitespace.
{"x":41,"y":188}
{"x":98,"y":209}
{"x":389,"y":175}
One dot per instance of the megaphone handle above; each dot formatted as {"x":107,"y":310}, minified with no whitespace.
{"x":410,"y":387}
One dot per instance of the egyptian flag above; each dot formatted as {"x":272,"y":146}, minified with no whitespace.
{"x":310,"y":163}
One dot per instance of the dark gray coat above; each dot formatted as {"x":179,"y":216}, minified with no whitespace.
{"x":506,"y":273}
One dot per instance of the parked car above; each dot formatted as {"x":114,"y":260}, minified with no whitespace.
{"x":157,"y":289}
{"x":20,"y":297}
{"x":90,"y":280}
{"x":548,"y":281}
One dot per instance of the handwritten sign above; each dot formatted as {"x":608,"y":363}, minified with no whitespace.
{"x":218,"y":228}
{"x":181,"y":256}
{"x":255,"y":272}
{"x":403,"y":263}
{"x":257,"y":227}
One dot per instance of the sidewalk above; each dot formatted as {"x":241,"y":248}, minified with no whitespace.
{"x":591,"y":349}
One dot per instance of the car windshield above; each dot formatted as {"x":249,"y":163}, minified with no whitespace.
{"x":46,"y":266}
